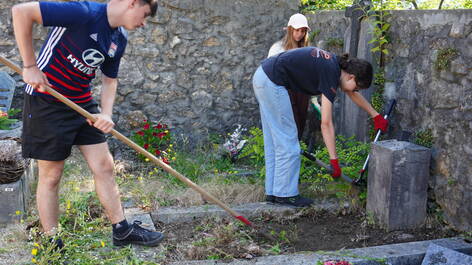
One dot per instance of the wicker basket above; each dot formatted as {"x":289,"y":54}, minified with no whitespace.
{"x":12,"y":164}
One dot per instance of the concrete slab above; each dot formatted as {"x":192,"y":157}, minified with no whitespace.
{"x":138,"y":214}
{"x":180,"y":215}
{"x":132,"y":214}
{"x":411,"y":253}
{"x":439,"y":255}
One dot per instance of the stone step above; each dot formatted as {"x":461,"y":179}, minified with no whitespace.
{"x":411,"y":253}
{"x":180,"y":215}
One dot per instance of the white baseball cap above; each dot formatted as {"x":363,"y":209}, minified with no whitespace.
{"x":298,"y":21}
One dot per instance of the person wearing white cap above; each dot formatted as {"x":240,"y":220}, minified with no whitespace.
{"x":296,"y":36}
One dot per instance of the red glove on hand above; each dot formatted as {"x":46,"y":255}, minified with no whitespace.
{"x":336,"y":169}
{"x":380,"y":123}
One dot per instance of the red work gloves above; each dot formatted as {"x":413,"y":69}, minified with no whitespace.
{"x":380,"y":123}
{"x":336,"y":169}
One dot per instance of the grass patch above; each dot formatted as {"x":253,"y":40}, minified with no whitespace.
{"x":444,"y":58}
{"x":87,"y":232}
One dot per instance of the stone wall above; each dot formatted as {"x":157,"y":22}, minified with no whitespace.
{"x":191,"y":66}
{"x":432,"y":101}
{"x":438,"y":101}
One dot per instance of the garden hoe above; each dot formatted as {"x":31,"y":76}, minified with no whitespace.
{"x":144,"y":152}
{"x":357,"y":181}
{"x":323,"y":165}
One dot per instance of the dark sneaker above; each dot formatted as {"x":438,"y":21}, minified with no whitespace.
{"x":270,"y":198}
{"x":56,"y":244}
{"x":137,"y":235}
{"x":295,"y":201}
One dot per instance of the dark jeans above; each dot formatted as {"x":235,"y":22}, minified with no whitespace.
{"x":300,"y":103}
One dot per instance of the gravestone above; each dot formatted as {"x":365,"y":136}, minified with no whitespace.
{"x":438,"y":255}
{"x":350,"y":119}
{"x":15,"y":197}
{"x":15,"y":185}
{"x":7,"y":88}
{"x":397,"y":184}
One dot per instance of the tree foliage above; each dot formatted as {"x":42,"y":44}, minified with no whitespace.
{"x":312,"y":5}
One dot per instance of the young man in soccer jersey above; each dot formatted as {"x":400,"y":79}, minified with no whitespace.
{"x":84,"y":37}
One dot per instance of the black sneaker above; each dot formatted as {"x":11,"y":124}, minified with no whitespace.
{"x":270,"y":198}
{"x":57,"y":244}
{"x":295,"y":201}
{"x":137,"y":235}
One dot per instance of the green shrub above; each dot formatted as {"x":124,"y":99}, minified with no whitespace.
{"x":254,"y":149}
{"x":5,"y":119}
{"x":424,"y":138}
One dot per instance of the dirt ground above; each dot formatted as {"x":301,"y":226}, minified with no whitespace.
{"x":305,"y":231}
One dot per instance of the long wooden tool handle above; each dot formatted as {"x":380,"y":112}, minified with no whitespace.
{"x":390,"y":107}
{"x":136,"y":147}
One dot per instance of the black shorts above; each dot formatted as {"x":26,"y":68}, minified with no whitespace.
{"x":51,"y":128}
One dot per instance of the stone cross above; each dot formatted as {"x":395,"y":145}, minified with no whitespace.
{"x":356,"y":12}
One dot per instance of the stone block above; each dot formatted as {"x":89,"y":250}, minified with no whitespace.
{"x":15,"y":197}
{"x":169,"y":215}
{"x":397,"y":184}
{"x":439,"y":255}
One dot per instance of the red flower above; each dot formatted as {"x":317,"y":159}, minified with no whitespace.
{"x":160,"y":135}
{"x":146,"y":126}
{"x":159,"y":126}
{"x":146,"y":146}
{"x":140,"y":133}
{"x":154,"y":134}
{"x":158,"y":153}
{"x":144,"y":120}
{"x":165,"y":161}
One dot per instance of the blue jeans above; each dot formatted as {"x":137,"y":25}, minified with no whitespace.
{"x":281,"y":147}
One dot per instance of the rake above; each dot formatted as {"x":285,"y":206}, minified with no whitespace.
{"x":137,"y":148}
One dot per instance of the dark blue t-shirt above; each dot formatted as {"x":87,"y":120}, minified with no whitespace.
{"x":309,"y":70}
{"x":79,"y":42}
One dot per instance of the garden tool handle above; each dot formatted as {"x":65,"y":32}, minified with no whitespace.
{"x":136,"y":147}
{"x":379,"y":132}
{"x":324,"y":165}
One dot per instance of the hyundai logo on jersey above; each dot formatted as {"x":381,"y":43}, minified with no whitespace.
{"x":93,"y":58}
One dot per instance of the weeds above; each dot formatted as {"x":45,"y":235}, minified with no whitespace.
{"x":445,"y":57}
{"x":86,"y":231}
{"x":424,"y":138}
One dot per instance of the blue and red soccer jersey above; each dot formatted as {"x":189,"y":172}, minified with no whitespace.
{"x":80,"y":41}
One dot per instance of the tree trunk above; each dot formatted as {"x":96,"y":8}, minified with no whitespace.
{"x":415,"y":5}
{"x":440,"y":4}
